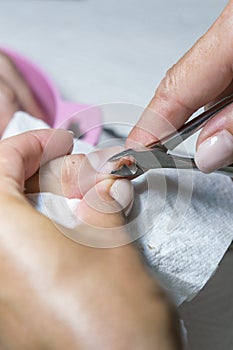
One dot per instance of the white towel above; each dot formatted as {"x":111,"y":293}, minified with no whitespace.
{"x":184,"y":220}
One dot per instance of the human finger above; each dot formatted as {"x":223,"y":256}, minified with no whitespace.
{"x":9,"y":104}
{"x":202,"y":74}
{"x":22,"y":90}
{"x":72,"y":176}
{"x":102,"y":214}
{"x":22,"y":155}
{"x":104,"y":204}
{"x":215,"y":142}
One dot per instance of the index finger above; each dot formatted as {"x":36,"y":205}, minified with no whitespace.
{"x":22,"y":155}
{"x":203,"y":73}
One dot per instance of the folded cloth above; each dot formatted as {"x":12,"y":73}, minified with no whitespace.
{"x":182,"y":220}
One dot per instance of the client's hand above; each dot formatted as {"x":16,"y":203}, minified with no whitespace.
{"x":57,"y":294}
{"x":15,"y":94}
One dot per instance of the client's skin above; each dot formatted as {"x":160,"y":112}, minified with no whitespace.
{"x":58,"y":294}
{"x":15,"y":94}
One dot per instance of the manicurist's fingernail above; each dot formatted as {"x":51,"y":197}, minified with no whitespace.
{"x":215,"y":152}
{"x":122,"y":192}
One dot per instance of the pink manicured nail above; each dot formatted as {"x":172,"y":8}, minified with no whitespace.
{"x":216,"y":152}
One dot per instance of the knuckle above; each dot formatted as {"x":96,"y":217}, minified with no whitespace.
{"x":168,"y":84}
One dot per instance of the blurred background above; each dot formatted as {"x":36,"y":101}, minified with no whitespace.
{"x":102,"y":51}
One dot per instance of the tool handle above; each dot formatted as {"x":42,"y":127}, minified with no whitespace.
{"x":228,"y":170}
{"x":190,"y":128}
{"x":173,"y":161}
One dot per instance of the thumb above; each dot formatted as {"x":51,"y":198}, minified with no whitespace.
{"x":103,"y":212}
{"x":215,"y":142}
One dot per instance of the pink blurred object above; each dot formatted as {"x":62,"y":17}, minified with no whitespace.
{"x":58,"y":113}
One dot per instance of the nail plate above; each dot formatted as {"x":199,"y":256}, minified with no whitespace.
{"x":122,"y":192}
{"x":216,"y":152}
{"x":71,"y":132}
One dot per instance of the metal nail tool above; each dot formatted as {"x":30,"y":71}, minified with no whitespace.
{"x":157,"y":154}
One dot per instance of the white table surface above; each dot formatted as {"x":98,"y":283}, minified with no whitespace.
{"x":102,"y":51}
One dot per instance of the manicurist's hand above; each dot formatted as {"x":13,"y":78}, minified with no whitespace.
{"x":201,"y":77}
{"x":58,"y":294}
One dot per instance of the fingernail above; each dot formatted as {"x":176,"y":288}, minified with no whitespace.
{"x":122,"y":192}
{"x":216,"y":152}
{"x":71,"y":132}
